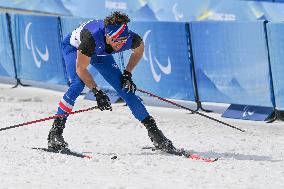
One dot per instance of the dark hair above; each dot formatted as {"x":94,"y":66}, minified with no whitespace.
{"x":116,"y":18}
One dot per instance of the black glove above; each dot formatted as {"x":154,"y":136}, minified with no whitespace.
{"x":103,"y":101}
{"x":127,"y":83}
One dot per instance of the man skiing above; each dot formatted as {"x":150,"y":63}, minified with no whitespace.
{"x":93,"y":43}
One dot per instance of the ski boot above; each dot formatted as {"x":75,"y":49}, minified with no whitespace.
{"x":157,"y":137}
{"x":55,"y":138}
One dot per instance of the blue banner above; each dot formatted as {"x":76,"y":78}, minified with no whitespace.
{"x":137,"y":10}
{"x":50,"y":6}
{"x":276,"y":49}
{"x":231,"y":64}
{"x":38,"y":49}
{"x":256,"y":113}
{"x":163,"y":10}
{"x":184,"y":10}
{"x":6,"y":56}
{"x":179,"y":10}
{"x":165,"y":68}
{"x":85,"y":8}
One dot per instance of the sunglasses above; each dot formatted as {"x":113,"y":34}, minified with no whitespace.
{"x":120,"y":39}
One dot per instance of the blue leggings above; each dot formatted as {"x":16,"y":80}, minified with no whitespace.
{"x":108,"y":68}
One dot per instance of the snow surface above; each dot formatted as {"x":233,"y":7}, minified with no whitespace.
{"x":254,"y":159}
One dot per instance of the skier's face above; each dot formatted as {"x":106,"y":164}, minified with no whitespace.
{"x":116,"y":43}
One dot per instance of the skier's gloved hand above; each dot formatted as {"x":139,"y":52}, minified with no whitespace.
{"x":103,"y":101}
{"x":127,"y":83}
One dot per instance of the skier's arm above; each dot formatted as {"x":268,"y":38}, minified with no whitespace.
{"x":84,"y":54}
{"x":82,"y":63}
{"x":138,"y":50}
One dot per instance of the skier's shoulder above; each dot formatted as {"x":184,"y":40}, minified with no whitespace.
{"x":94,"y":25}
{"x":136,"y":40}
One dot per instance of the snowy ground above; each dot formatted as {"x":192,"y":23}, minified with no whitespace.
{"x":254,"y":159}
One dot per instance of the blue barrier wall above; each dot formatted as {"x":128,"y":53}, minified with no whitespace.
{"x":38,"y":49}
{"x":276,"y":49}
{"x":231,"y":62}
{"x":6,"y":56}
{"x":165,"y":68}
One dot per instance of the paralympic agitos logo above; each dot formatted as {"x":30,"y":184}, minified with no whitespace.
{"x":38,"y":56}
{"x":165,"y":69}
{"x":247,"y":111}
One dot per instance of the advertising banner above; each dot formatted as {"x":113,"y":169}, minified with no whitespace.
{"x":180,"y":10}
{"x":256,"y":113}
{"x":231,"y":62}
{"x":165,"y":68}
{"x":38,"y":49}
{"x":276,"y":49}
{"x":6,"y":56}
{"x":50,"y":6}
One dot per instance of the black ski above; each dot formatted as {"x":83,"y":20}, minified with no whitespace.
{"x":65,"y":151}
{"x":184,"y":153}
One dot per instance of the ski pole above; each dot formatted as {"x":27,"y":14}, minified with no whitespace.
{"x":48,"y":118}
{"x":183,"y":107}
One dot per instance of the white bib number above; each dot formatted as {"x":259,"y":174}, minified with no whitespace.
{"x":75,"y":36}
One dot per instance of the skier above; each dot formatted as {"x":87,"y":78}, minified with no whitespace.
{"x":93,"y":43}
